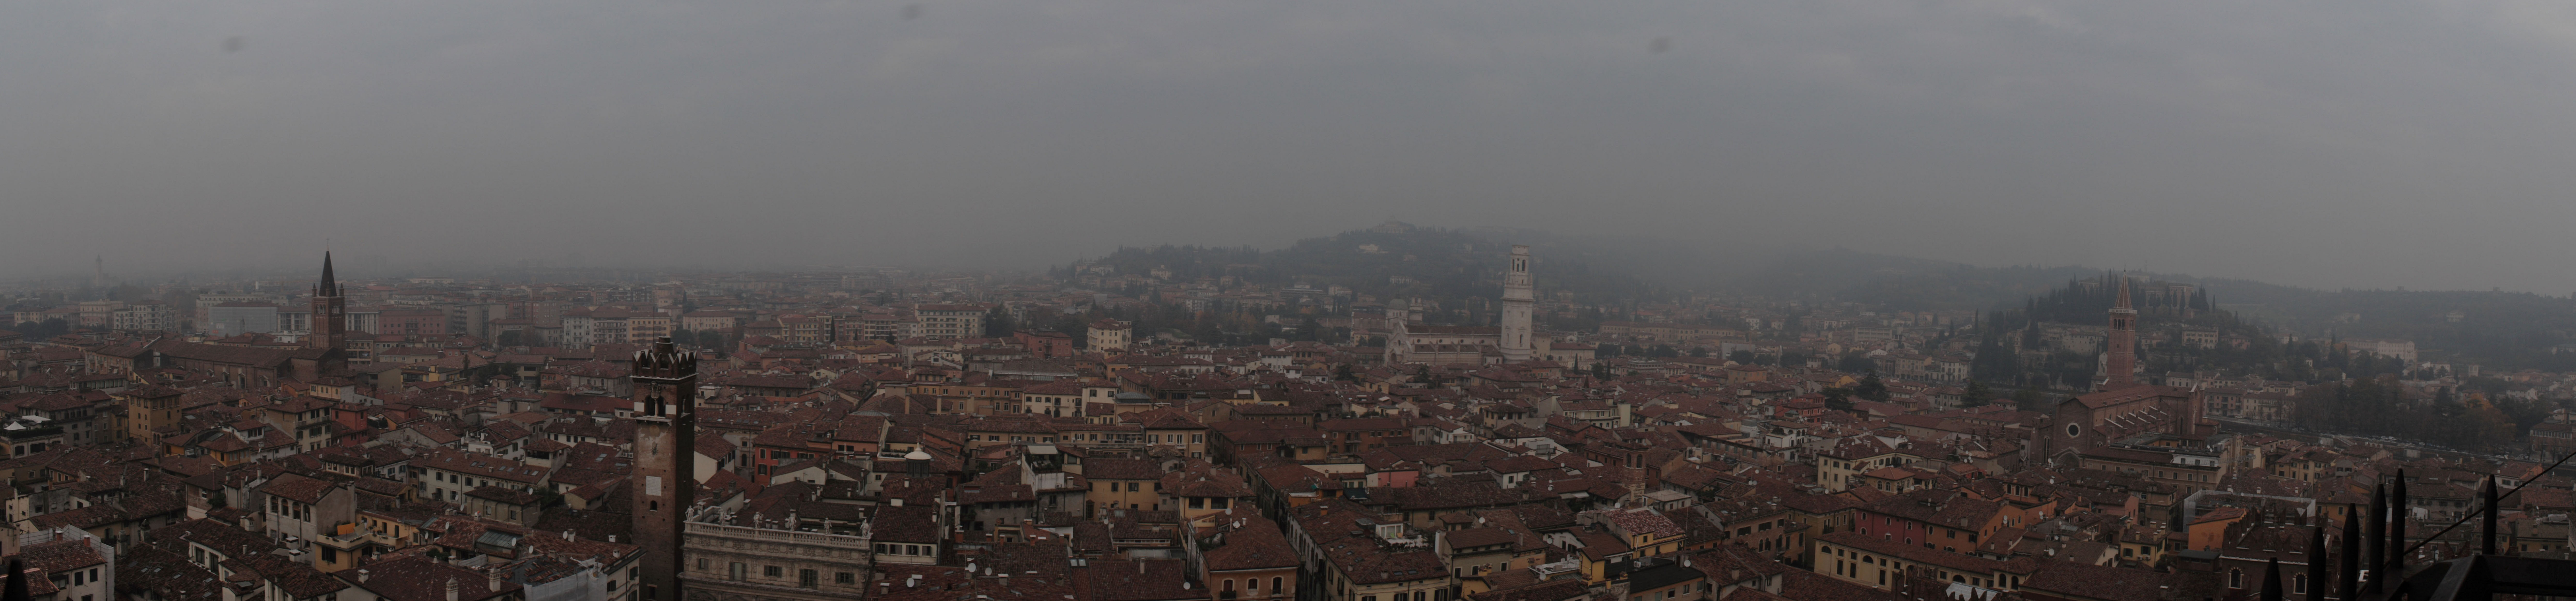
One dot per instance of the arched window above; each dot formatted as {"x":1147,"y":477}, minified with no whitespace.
{"x":2299,"y":584}
{"x":2235,"y":578}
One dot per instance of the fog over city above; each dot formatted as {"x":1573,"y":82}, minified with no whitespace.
{"x":1287,"y":300}
{"x":2325,"y":144}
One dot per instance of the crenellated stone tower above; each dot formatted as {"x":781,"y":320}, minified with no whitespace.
{"x":663,"y":485}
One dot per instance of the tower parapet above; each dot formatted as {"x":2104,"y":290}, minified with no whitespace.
{"x":665,"y":361}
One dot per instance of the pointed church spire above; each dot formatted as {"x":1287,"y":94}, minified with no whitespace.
{"x":2123,"y":303}
{"x":329,"y":286}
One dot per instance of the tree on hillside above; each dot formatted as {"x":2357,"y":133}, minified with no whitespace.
{"x":997,"y":323}
{"x":2030,"y":399}
{"x":1856,"y":362}
{"x":1977,"y":395}
{"x":1870,"y":388}
{"x":1837,"y":398}
{"x":43,"y":329}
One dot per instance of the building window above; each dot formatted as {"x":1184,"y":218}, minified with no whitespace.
{"x":845,"y":578}
{"x":807,"y":578}
{"x":772,"y":571}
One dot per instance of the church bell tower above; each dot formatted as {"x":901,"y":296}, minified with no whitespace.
{"x":1519,"y":293}
{"x":330,"y":323}
{"x":2123,"y":342}
{"x":663,"y":485}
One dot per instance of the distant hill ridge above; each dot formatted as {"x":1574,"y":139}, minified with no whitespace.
{"x":1452,"y":266}
{"x":1395,"y":260}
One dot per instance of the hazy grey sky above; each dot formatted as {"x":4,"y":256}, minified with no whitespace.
{"x":2370,"y":143}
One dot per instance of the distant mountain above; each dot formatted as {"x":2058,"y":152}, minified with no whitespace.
{"x":1453,"y":266}
{"x":2494,"y":328}
{"x":2500,"y":329}
{"x":1899,"y":283}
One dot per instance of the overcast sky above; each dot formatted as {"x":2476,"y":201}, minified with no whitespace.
{"x":2344,"y":143}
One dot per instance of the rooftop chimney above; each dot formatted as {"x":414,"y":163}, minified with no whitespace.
{"x":451,"y":589}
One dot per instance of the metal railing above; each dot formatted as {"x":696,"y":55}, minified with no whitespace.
{"x":2480,"y":576}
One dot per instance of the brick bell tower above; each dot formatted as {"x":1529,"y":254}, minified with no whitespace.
{"x":2123,"y":340}
{"x":330,"y":323}
{"x":663,"y":485}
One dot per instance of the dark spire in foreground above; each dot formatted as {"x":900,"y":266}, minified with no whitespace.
{"x":2318,"y":575}
{"x":16,"y":588}
{"x":329,"y":286}
{"x":2487,"y":517}
{"x":2348,"y":582}
{"x":2272,"y":581}
{"x":2373,"y":557}
{"x":2397,"y":514}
